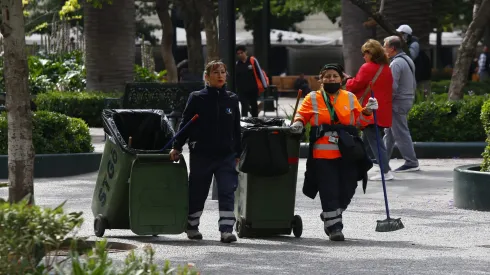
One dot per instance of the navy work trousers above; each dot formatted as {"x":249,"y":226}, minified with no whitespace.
{"x":337,"y":183}
{"x":202,"y":169}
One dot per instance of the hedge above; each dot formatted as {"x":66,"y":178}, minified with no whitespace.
{"x":53,"y":133}
{"x":485,"y":119}
{"x":447,"y":120}
{"x":478,"y":88}
{"x":85,"y":105}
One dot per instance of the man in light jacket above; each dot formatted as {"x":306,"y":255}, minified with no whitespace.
{"x":404,"y":85}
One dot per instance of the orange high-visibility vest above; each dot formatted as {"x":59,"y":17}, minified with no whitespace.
{"x":315,"y":111}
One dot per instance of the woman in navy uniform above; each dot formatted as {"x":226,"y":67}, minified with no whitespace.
{"x":215,"y":148}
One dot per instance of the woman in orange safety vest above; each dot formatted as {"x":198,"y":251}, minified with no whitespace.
{"x":336,"y":151}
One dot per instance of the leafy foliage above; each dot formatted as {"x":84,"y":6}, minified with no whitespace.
{"x":53,"y":72}
{"x":97,"y":261}
{"x":331,"y":8}
{"x":282,"y":16}
{"x":485,"y":119}
{"x":27,"y":233}
{"x":85,"y":105}
{"x":142,"y":74}
{"x":53,"y":133}
{"x":450,"y":14}
{"x":447,"y":120}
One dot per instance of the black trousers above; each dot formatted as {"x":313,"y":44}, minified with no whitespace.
{"x":248,"y":100}
{"x":337,"y":183}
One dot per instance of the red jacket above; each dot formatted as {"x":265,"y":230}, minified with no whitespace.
{"x":382,"y":88}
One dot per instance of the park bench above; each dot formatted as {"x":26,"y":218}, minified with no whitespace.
{"x":285,"y":84}
{"x":169,"y":97}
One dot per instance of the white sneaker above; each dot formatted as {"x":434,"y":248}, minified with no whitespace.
{"x":388,"y":176}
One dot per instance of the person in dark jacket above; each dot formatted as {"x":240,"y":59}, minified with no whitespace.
{"x":215,"y":147}
{"x":251,"y":81}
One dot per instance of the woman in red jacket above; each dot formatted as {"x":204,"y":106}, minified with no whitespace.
{"x":375,"y":74}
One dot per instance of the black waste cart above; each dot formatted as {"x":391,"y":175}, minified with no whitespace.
{"x":138,"y":186}
{"x":266,"y":193}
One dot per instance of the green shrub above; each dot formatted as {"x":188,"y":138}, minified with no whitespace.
{"x":49,"y":72}
{"x":142,"y":74}
{"x":53,"y":133}
{"x":477,"y":88}
{"x":85,"y":105}
{"x":30,"y":233}
{"x":485,"y":119}
{"x":447,"y":121}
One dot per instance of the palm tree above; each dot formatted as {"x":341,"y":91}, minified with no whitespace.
{"x":354,"y":34}
{"x":110,"y":45}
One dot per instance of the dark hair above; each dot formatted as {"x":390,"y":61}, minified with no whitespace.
{"x":241,"y":48}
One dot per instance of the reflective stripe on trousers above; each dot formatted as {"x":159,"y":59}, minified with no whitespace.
{"x":226,"y":218}
{"x":332,"y":217}
{"x":194,"y":218}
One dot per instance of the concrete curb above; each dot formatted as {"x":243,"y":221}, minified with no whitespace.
{"x":471,"y":188}
{"x":59,"y":165}
{"x":433,"y":150}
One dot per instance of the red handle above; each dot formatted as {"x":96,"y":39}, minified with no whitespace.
{"x":196,"y":116}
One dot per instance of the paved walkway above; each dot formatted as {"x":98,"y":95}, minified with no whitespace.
{"x":438,"y":238}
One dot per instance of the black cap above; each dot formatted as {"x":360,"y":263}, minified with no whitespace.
{"x":333,"y":66}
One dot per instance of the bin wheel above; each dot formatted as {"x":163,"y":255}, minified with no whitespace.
{"x":100,"y":225}
{"x":240,"y":228}
{"x":297,"y":226}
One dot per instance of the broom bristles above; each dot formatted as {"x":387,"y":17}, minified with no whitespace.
{"x":389,"y":225}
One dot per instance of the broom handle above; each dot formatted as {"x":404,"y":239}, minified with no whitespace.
{"x":196,"y":116}
{"x":379,"y":157}
{"x":296,"y":107}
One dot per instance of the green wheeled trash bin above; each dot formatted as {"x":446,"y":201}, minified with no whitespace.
{"x":138,"y":186}
{"x":268,"y":169}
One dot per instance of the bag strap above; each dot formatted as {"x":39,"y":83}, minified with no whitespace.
{"x":368,"y":89}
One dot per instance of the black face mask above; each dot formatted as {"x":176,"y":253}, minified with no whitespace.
{"x":331,"y":88}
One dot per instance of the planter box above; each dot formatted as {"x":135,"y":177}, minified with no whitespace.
{"x":471,"y":188}
{"x":58,"y":165}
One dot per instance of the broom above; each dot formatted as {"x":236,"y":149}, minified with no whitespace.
{"x":388,"y":224}
{"x":300,"y":92}
{"x":196,"y":116}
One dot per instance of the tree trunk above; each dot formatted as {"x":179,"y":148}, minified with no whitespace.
{"x":439,"y":48}
{"x":210,"y":27}
{"x":192,"y":25}
{"x":467,"y":49}
{"x":110,"y":45}
{"x":19,"y":116}
{"x":354,"y":35}
{"x":162,"y":8}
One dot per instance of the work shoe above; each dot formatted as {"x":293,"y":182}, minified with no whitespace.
{"x":388,"y":176}
{"x":194,"y":234}
{"x":336,"y":235}
{"x":406,"y":168}
{"x":227,"y":237}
